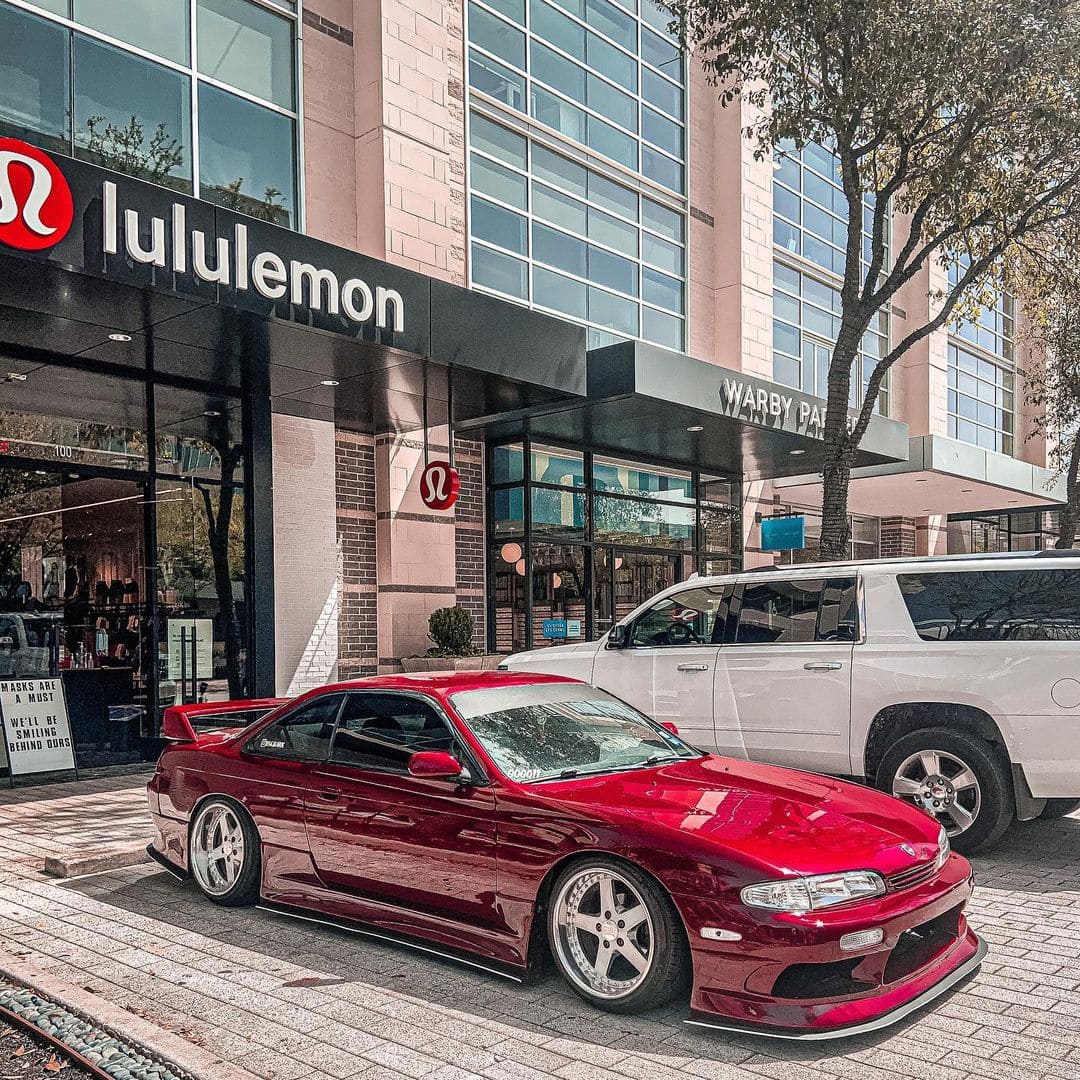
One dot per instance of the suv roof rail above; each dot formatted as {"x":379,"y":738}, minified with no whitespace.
{"x":966,"y":556}
{"x":1058,"y":553}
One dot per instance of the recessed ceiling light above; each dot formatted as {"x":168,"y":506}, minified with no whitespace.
{"x":926,"y":511}
{"x":40,"y":472}
{"x":965,"y":491}
{"x":695,"y":427}
{"x":922,"y":480}
{"x":796,"y":453}
{"x":211,"y":412}
{"x":119,"y":337}
{"x":330,"y":382}
{"x":1013,"y":502}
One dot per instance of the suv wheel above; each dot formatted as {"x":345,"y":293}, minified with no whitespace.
{"x":956,"y":777}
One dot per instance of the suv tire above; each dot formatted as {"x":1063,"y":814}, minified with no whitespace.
{"x":986,"y":791}
{"x":1059,"y":808}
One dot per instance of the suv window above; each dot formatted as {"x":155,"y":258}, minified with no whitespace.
{"x":382,"y":731}
{"x":302,"y":734}
{"x":775,"y":612}
{"x":838,"y":619}
{"x":690,"y":617}
{"x":994,"y":605}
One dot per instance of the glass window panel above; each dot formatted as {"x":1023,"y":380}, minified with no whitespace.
{"x":555,"y":27}
{"x":554,"y":465}
{"x":786,"y":203}
{"x":662,"y":53}
{"x":612,"y":231}
{"x":787,"y":171}
{"x":132,"y":115}
{"x":661,"y":290}
{"x":786,"y":236}
{"x":558,"y":249}
{"x":817,"y":157}
{"x":616,"y":144}
{"x":560,"y":209}
{"x":491,"y":178}
{"x":247,"y":46}
{"x":663,"y":94}
{"x":613,"y":312}
{"x":819,"y":222}
{"x":655,"y":15}
{"x":785,"y":307}
{"x":496,"y":36}
{"x":561,"y":293}
{"x":662,"y":254}
{"x":663,"y":132}
{"x":787,"y":370}
{"x":497,"y":141}
{"x":662,"y":220}
{"x":559,"y":171}
{"x":557,"y":71}
{"x":158,"y":26}
{"x":512,"y":9}
{"x":558,"y":513}
{"x":559,"y":114}
{"x":613,"y":271}
{"x":35,"y":71}
{"x":661,"y":328}
{"x":609,"y":20}
{"x":508,"y":511}
{"x":786,"y":338}
{"x":661,"y":169}
{"x":491,"y":77}
{"x":614,"y":104}
{"x":499,"y":226}
{"x":246,"y":156}
{"x":612,"y":196}
{"x":784,"y":277}
{"x":508,"y":463}
{"x":612,"y":62}
{"x":643,"y":523}
{"x":575,"y":7}
{"x":502,"y":273}
{"x":818,"y":322}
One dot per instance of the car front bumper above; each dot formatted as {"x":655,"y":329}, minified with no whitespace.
{"x":788,"y":977}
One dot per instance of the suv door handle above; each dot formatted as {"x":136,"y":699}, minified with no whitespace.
{"x":692,"y":667}
{"x":823,"y":665}
{"x":329,"y":794}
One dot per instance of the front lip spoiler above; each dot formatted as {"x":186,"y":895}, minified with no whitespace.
{"x":165,"y":864}
{"x":879,"y":1022}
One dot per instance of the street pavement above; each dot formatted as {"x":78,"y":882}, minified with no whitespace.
{"x":278,"y":999}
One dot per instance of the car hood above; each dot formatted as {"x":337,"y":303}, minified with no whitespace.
{"x":763,"y":816}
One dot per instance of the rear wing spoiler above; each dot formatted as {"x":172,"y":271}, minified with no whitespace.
{"x":182,"y":723}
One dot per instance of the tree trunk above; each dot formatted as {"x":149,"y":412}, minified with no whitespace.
{"x":835,"y":530}
{"x":1070,"y":515}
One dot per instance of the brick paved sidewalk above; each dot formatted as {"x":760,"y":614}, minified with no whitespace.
{"x":289,"y":1002}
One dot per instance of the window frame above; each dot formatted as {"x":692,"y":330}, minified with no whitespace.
{"x":298,"y":707}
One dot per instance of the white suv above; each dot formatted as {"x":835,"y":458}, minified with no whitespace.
{"x":953,"y":682}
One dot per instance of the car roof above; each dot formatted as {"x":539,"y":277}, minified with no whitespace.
{"x":442,"y":683}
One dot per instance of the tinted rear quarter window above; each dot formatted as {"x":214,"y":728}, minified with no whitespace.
{"x":994,"y":605}
{"x":795,"y":611}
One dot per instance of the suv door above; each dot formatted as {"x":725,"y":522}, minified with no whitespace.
{"x":783,"y":684}
{"x":423,"y":843}
{"x":667,"y":667}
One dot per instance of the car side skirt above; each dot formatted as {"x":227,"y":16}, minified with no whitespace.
{"x":894,"y":1016}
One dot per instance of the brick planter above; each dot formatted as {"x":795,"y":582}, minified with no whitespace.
{"x":482,"y":662}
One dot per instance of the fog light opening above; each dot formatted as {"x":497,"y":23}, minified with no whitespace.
{"x":716,"y":933}
{"x":862,"y":939}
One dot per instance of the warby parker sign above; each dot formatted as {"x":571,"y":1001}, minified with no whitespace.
{"x":37,"y":209}
{"x":743,"y":400}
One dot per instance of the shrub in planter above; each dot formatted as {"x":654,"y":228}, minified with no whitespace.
{"x":451,"y":628}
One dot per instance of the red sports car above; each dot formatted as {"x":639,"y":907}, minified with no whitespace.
{"x":495,"y":817}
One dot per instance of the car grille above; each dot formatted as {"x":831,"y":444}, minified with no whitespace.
{"x":916,"y":875}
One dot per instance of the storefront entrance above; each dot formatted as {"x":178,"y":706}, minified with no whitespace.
{"x":122,"y":548}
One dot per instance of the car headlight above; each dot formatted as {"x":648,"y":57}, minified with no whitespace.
{"x":810,"y":893}
{"x":944,"y":848}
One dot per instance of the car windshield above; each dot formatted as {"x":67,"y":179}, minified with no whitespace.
{"x":548,"y":731}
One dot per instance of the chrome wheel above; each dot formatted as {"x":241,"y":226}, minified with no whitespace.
{"x":603,"y":933}
{"x":217,"y":848}
{"x":943,"y":785}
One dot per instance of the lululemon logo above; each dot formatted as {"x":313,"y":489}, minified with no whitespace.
{"x":439,"y":485}
{"x":36,"y":210}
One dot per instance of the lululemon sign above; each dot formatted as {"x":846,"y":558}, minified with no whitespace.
{"x":36,"y":208}
{"x":440,"y":485}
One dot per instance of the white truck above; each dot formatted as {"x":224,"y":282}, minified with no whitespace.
{"x":953,"y":682}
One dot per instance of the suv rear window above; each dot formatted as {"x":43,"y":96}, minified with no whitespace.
{"x":994,"y":605}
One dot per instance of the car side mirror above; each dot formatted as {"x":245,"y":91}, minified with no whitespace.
{"x":434,"y":765}
{"x":667,"y":725}
{"x":617,"y":639}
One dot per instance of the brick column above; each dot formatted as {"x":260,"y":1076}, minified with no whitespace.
{"x":358,"y":623}
{"x":469,"y":555}
{"x":899,"y":537}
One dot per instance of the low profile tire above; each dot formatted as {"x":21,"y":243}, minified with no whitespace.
{"x":616,"y":937}
{"x":225,"y":853}
{"x":958,"y":778}
{"x":1059,"y":808}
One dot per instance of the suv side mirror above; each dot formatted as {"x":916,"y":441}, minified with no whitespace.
{"x":434,"y":765}
{"x":618,"y":638}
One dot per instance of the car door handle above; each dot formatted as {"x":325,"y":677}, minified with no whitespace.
{"x":823,"y":665}
{"x":692,"y":667}
{"x":329,"y":794}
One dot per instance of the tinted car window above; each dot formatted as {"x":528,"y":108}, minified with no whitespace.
{"x":302,"y":734}
{"x":838,"y":617}
{"x":994,"y":605}
{"x":688,"y":618}
{"x":776,"y":612}
{"x":382,"y":731}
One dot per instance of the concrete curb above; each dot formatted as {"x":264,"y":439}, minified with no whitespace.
{"x":184,"y":1056}
{"x":61,"y":866}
